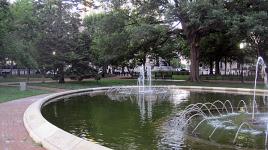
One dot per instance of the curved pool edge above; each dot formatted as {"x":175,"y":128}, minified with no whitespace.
{"x":54,"y":138}
{"x":50,"y":136}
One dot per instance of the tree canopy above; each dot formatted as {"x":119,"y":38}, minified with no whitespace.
{"x":51,"y":35}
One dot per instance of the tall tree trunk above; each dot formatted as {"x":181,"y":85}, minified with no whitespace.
{"x":211,"y":67}
{"x":144,"y":60}
{"x":157,"y":61}
{"x":123,"y":70}
{"x":217,"y":67}
{"x":18,"y":71}
{"x":194,"y":57}
{"x":43,"y":75}
{"x":11,"y":67}
{"x":193,"y":41}
{"x":28,"y":74}
{"x":61,"y":74}
{"x":104,"y":69}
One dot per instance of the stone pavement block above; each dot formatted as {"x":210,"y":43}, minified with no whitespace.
{"x":13,"y":135}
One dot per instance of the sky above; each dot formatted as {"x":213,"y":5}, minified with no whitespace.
{"x":89,"y":11}
{"x":11,"y":1}
{"x":84,"y":13}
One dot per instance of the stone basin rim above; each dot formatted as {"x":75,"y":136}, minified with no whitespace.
{"x":54,"y":138}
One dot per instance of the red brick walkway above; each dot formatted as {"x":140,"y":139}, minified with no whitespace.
{"x":13,"y":135}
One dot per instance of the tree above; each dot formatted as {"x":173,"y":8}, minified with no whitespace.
{"x":147,"y":40}
{"x":5,"y":19}
{"x":80,"y":61}
{"x":59,"y":33}
{"x":212,"y":19}
{"x":17,"y":40}
{"x":109,"y":38}
{"x":143,"y":34}
{"x":250,"y":22}
{"x":197,"y":18}
{"x":24,"y":33}
{"x":218,"y":46}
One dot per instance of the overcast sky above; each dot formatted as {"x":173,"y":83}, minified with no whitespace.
{"x":11,"y":1}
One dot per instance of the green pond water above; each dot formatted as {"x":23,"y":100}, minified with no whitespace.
{"x":139,"y":122}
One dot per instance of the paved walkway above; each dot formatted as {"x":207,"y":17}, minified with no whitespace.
{"x":13,"y":135}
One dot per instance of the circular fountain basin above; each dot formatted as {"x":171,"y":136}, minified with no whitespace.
{"x":87,"y":119}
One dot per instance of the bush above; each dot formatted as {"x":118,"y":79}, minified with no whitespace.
{"x":81,"y":71}
{"x":169,"y":74}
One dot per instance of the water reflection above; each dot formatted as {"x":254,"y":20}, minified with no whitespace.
{"x":146,"y":101}
{"x":55,"y":110}
{"x":137,"y":121}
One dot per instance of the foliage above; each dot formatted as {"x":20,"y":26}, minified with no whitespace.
{"x":58,"y":33}
{"x":17,"y":33}
{"x":4,"y":22}
{"x":249,"y":21}
{"x":24,"y":23}
{"x":48,"y":34}
{"x":126,"y":36}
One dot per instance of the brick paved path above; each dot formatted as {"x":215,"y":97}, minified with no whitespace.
{"x":13,"y":135}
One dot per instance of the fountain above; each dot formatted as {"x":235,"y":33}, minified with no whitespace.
{"x":169,"y":118}
{"x":260,"y":61}
{"x":203,"y":120}
{"x":144,"y":85}
{"x":244,"y":126}
{"x":141,"y":80}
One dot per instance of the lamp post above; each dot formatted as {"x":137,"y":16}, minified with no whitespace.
{"x":242,"y":45}
{"x":54,"y":70}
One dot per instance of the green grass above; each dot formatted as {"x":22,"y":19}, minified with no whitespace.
{"x":107,"y":82}
{"x":86,"y":84}
{"x":222,"y":84}
{"x":12,"y":93}
{"x":180,"y":77}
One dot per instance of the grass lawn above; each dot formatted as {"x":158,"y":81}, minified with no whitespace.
{"x":106,"y":82}
{"x":222,"y":84}
{"x":87,"y":84}
{"x":11,"y":93}
{"x":180,"y":77}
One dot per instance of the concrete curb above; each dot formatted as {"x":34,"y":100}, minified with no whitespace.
{"x":54,"y":138}
{"x":50,"y":136}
